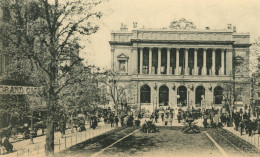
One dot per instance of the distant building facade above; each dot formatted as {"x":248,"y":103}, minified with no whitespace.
{"x":179,"y":65}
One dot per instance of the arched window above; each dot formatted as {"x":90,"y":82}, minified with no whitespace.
{"x":200,"y":90}
{"x":218,"y":95}
{"x":182,"y":92}
{"x":145,"y":94}
{"x":164,"y":95}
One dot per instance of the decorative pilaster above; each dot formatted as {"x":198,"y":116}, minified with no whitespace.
{"x":168,"y":61}
{"x":186,"y":62}
{"x":150,"y":61}
{"x":177,"y":61}
{"x":213,"y":61}
{"x":159,"y":60}
{"x":222,"y":62}
{"x":204,"y":69}
{"x":195,"y":62}
{"x":141,"y":60}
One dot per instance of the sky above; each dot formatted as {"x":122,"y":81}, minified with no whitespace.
{"x":216,"y":14}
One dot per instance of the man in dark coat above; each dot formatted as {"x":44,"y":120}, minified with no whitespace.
{"x":179,"y":117}
{"x":242,"y":127}
{"x":111,"y":119}
{"x":162,"y":116}
{"x":156,"y":117}
{"x":8,"y":146}
{"x":116,"y":121}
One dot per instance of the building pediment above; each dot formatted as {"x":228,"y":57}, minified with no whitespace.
{"x":122,"y":57}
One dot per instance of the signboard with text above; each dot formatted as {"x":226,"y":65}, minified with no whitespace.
{"x":19,"y":90}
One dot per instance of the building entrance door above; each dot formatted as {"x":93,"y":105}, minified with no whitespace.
{"x":164,"y":95}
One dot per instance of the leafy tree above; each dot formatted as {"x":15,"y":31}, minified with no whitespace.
{"x":116,"y":90}
{"x":83,"y":95}
{"x":40,"y":37}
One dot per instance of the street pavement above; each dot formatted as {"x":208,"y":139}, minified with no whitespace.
{"x":23,"y":148}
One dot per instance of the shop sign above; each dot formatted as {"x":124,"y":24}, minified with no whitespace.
{"x":19,"y":90}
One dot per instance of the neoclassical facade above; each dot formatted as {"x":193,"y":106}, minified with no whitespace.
{"x":179,"y":65}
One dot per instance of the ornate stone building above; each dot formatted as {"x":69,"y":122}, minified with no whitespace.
{"x":179,"y":65}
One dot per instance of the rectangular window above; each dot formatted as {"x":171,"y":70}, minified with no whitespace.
{"x":122,"y":66}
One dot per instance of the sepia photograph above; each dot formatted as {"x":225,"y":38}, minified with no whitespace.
{"x":129,"y":78}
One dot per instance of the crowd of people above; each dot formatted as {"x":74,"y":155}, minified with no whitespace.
{"x":244,"y":123}
{"x":211,"y":118}
{"x":168,"y":115}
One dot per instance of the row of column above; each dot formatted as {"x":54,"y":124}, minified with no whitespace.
{"x":186,"y":72}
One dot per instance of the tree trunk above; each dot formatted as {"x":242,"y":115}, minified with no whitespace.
{"x":71,"y":123}
{"x":50,"y":136}
{"x":52,"y":101}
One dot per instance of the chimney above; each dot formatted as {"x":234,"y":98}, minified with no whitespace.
{"x":134,"y":24}
{"x":229,"y":26}
{"x":234,"y":29}
{"x":123,"y":27}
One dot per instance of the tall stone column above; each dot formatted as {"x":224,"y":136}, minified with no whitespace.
{"x":186,"y":62}
{"x":150,"y":60}
{"x":222,"y":62}
{"x":141,"y":60}
{"x":168,"y":61}
{"x":213,"y":61}
{"x":177,"y":61}
{"x":204,"y":69}
{"x":159,"y":60}
{"x":195,"y":61}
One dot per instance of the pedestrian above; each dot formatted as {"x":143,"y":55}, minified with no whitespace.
{"x":250,"y":127}
{"x":116,"y":121}
{"x":242,"y":126}
{"x":139,"y":116}
{"x":94,"y":122}
{"x":156,"y":117}
{"x":205,"y":123}
{"x":179,"y":117}
{"x":166,"y":120}
{"x":152,"y":117}
{"x":62,"y":128}
{"x":223,"y":119}
{"x":111,"y":119}
{"x":170,"y":119}
{"x":162,"y":116}
{"x":8,"y":146}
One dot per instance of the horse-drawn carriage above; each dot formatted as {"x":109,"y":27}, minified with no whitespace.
{"x":23,"y":130}
{"x":24,"y":125}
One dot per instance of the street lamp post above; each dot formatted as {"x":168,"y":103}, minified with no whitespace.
{"x":31,"y":130}
{"x":188,"y":104}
